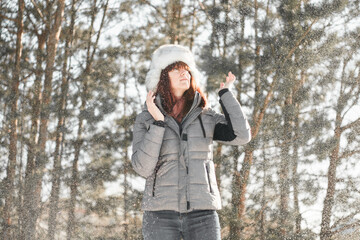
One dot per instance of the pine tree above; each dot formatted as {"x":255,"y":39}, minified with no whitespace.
{"x":60,"y":129}
{"x":41,"y":32}
{"x":85,"y":76}
{"x":13,"y":119}
{"x":297,"y":79}
{"x":338,"y":152}
{"x":33,"y":183}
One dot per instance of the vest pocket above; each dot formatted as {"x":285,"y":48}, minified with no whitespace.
{"x":208,"y":176}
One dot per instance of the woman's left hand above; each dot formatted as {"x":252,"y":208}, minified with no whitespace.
{"x":230,"y":79}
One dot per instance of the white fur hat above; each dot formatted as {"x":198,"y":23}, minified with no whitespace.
{"x":163,"y":57}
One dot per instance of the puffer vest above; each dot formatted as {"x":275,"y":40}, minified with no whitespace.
{"x":177,"y":160}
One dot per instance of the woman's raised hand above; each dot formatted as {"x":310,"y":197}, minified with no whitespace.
{"x":230,"y":79}
{"x":152,"y":108}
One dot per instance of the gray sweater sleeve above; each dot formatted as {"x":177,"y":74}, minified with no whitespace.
{"x":238,"y":121}
{"x":147,"y":141}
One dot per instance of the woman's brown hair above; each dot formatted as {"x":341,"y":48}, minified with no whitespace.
{"x":168,"y":100}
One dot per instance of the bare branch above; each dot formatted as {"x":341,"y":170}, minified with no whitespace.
{"x":205,"y":11}
{"x":351,"y":125}
{"x":299,"y":41}
{"x":7,"y":18}
{"x":99,"y":32}
{"x":356,"y":99}
{"x":154,"y":7}
{"x":261,"y":114}
{"x":38,"y":9}
{"x":35,"y":27}
{"x":352,"y":225}
{"x":344,"y":219}
{"x":348,"y":154}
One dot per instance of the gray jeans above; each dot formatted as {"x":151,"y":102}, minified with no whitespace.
{"x":171,"y":225}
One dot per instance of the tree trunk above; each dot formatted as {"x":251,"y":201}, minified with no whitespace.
{"x":235,"y":194}
{"x":193,"y":26}
{"x":71,"y":224}
{"x":226,"y":28}
{"x":84,"y":98}
{"x":240,"y":65}
{"x":213,"y":36}
{"x":295,"y":176}
{"x":55,"y":189}
{"x":263,"y":193}
{"x":325,"y":232}
{"x":174,"y":18}
{"x":32,"y":144}
{"x":34,"y":184}
{"x":295,"y":156}
{"x":257,"y":118}
{"x":235,"y":225}
{"x":126,"y":167}
{"x":125,"y":195}
{"x":19,"y":200}
{"x":284,"y":165}
{"x":14,"y":96}
{"x":243,"y":178}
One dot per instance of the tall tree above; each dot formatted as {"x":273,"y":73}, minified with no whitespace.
{"x":60,"y":129}
{"x":262,"y":42}
{"x":293,"y":29}
{"x":281,"y":57}
{"x":85,"y":76}
{"x":33,"y":184}
{"x":41,"y":31}
{"x":13,"y":119}
{"x":347,"y":98}
{"x":295,"y":156}
{"x":175,"y":21}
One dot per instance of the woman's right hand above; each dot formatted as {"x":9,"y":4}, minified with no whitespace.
{"x":152,"y":108}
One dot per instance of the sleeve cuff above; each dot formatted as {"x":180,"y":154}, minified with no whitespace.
{"x":159,"y":123}
{"x":222,"y":91}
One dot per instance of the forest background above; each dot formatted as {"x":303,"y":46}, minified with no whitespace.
{"x":72,"y":81}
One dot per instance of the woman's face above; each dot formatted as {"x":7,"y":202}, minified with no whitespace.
{"x":179,"y":81}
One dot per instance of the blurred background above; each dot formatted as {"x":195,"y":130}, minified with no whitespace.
{"x":72,"y":81}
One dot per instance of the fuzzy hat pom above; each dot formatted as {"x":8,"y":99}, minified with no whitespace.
{"x":163,"y":57}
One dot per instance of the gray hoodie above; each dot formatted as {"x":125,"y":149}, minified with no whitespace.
{"x":177,"y":159}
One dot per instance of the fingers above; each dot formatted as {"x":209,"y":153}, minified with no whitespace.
{"x":150,"y":99}
{"x":150,"y":96}
{"x":152,"y":108}
{"x":230,"y":77}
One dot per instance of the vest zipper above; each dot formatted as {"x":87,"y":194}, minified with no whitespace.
{"x":208,"y":177}
{"x":202,"y":126}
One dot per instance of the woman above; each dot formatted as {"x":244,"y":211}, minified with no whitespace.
{"x":172,"y":148}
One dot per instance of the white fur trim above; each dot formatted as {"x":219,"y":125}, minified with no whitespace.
{"x":163,"y":57}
